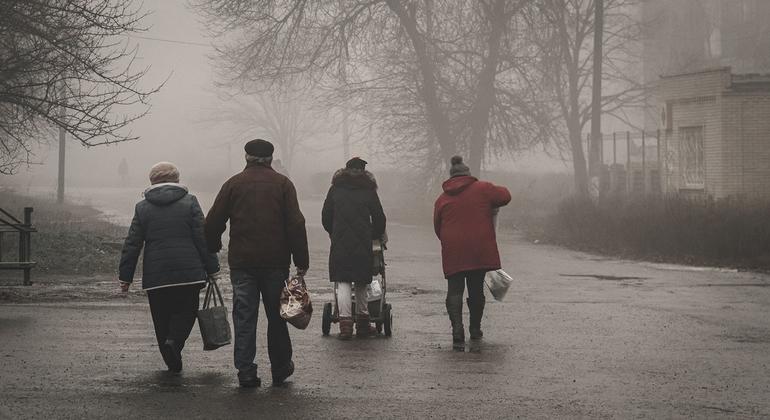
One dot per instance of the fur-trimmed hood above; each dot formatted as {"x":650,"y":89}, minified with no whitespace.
{"x":354,"y":178}
{"x":165,"y":193}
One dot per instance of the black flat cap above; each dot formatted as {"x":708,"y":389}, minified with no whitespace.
{"x":259,"y":148}
{"x":356,"y":163}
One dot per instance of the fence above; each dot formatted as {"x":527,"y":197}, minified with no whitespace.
{"x":630,"y":162}
{"x":10,"y":224}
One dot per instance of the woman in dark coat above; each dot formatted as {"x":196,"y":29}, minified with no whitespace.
{"x":463,"y":221}
{"x":353,"y":217}
{"x":168,"y":223}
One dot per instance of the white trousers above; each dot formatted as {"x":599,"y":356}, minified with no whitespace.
{"x":345,"y":299}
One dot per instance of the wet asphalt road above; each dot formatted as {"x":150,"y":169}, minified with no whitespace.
{"x":578,"y":336}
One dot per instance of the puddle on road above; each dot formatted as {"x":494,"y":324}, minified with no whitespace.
{"x":762,"y":338}
{"x":605,"y":277}
{"x":732,"y":285}
{"x":165,"y":381}
{"x":415,"y":290}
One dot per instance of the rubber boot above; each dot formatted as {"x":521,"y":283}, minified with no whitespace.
{"x":476,"y":309}
{"x":363,"y":327}
{"x":454,"y":308}
{"x":346,"y":328}
{"x":172,"y":355}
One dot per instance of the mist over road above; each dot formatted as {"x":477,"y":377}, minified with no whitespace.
{"x":578,"y":336}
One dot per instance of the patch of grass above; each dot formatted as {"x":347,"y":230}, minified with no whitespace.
{"x":71,"y":239}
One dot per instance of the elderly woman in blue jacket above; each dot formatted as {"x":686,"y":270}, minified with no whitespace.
{"x":168,"y":223}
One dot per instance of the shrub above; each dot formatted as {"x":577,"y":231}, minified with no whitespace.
{"x":726,"y":232}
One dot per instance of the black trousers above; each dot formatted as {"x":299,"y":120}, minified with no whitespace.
{"x":475,"y":281}
{"x":174,"y":310}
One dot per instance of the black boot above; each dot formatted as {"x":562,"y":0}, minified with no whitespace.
{"x":454,"y":307}
{"x":172,"y":355}
{"x":476,"y":309}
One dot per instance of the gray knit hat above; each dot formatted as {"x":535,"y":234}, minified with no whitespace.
{"x":458,"y":168}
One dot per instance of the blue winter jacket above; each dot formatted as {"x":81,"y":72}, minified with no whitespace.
{"x":168,"y":223}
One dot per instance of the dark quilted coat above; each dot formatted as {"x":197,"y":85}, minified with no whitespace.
{"x":168,"y":223}
{"x":353,"y":216}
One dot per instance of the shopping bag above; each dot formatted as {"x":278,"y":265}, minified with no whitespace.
{"x":498,"y":282}
{"x":212,"y":318}
{"x":296,"y":307}
{"x":374,"y":290}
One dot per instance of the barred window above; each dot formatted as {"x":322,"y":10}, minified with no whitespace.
{"x":691,"y":156}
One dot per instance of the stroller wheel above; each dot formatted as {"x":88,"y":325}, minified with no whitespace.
{"x":326,"y":319}
{"x":387,"y":317}
{"x":379,"y":327}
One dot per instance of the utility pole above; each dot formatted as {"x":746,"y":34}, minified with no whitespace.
{"x":594,"y":160}
{"x":229,"y":157}
{"x":345,"y":132}
{"x":62,"y":150}
{"x":345,"y":115}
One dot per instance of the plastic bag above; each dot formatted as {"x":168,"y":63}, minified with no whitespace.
{"x":498,"y":282}
{"x":296,"y":307}
{"x":374,"y":290}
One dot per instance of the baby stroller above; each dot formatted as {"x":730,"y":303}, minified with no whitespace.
{"x":380,"y":312}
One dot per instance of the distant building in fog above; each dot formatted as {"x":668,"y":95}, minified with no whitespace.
{"x":690,"y":35}
{"x":711,"y":105}
{"x":715,"y":134}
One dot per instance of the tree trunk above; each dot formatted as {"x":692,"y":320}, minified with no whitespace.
{"x":436,"y":116}
{"x":485,"y":90}
{"x":578,"y":160}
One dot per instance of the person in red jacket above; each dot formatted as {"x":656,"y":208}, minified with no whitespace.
{"x":463,"y":220}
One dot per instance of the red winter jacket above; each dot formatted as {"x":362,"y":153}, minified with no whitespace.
{"x":462,"y":218}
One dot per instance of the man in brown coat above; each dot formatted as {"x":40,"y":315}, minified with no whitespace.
{"x":267,"y":229}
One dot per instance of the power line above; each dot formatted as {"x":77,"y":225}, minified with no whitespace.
{"x":170,"y":41}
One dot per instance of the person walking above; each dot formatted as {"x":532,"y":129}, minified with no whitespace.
{"x":267,"y":229}
{"x":168,"y":224}
{"x":463,"y":221}
{"x":353,"y":217}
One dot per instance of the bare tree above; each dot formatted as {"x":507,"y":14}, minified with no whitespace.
{"x":563,"y":32}
{"x":67,"y":63}
{"x":428,"y":73}
{"x":279,"y":116}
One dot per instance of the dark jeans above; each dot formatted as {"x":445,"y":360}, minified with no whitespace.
{"x":247,"y":286}
{"x":475,"y":281}
{"x":174,"y":310}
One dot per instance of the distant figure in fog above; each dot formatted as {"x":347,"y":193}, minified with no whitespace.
{"x":353,"y":217}
{"x":123,"y":172}
{"x":267,"y":229}
{"x":168,"y":223}
{"x":463,"y":220}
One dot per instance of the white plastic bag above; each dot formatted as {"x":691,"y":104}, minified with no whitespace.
{"x":374,"y":290}
{"x":498,"y":282}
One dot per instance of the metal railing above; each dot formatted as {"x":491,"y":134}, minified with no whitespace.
{"x":631,"y":162}
{"x":12,"y":225}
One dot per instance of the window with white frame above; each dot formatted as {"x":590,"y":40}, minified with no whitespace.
{"x":691,"y":157}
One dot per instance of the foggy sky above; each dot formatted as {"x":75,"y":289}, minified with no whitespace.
{"x":173,"y":130}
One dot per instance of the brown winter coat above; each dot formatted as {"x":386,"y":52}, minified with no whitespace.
{"x":267,"y":227}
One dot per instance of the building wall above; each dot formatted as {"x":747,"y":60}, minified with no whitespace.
{"x":694,"y":100}
{"x":736,"y":133}
{"x":746,"y":146}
